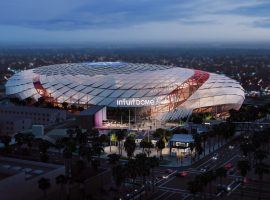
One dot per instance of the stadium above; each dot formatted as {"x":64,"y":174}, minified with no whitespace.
{"x":151,"y":91}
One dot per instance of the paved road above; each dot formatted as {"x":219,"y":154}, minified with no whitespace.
{"x":170,"y":187}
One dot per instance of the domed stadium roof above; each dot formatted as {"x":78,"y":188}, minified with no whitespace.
{"x":175,"y":91}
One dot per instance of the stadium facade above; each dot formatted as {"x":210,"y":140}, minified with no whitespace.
{"x":157,"y":91}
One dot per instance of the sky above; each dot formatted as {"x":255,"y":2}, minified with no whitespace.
{"x":133,"y":21}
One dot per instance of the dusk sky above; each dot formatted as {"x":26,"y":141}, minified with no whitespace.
{"x":113,"y":21}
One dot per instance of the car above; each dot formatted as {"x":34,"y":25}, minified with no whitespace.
{"x":169,"y":171}
{"x":223,"y":188}
{"x":232,"y":171}
{"x":242,"y":180}
{"x":182,"y":174}
{"x":231,"y":147}
{"x":228,"y":165}
{"x":215,"y":156}
{"x":204,"y":169}
{"x":165,"y":176}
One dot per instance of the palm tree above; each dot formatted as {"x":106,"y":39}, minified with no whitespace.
{"x":198,"y":144}
{"x":61,"y":180}
{"x":70,"y":133}
{"x":130,"y":146}
{"x":203,"y":180}
{"x":119,"y":175}
{"x":19,"y":140}
{"x":81,"y":137}
{"x":65,"y":105}
{"x":43,"y":147}
{"x":44,"y":184}
{"x":120,"y":134}
{"x":146,"y":144}
{"x":260,"y":170}
{"x":244,"y":167}
{"x":221,"y":172}
{"x":160,"y":145}
{"x":204,"y":138}
{"x":93,"y":134}
{"x":5,"y":139}
{"x":143,"y":165}
{"x":260,"y":155}
{"x":153,"y":163}
{"x":211,"y":176}
{"x":143,"y":145}
{"x":59,"y":145}
{"x":86,"y":153}
{"x":29,"y":139}
{"x":194,"y":187}
{"x":191,"y":147}
{"x":132,"y":170}
{"x":70,"y":147}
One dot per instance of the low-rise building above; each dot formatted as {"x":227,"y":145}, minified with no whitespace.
{"x":180,"y":143}
{"x":12,"y":125}
{"x":38,"y":116}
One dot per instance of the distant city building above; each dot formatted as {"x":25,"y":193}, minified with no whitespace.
{"x":156,"y":91}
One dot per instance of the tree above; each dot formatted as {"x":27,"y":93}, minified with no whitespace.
{"x":73,"y":107}
{"x":93,"y":134}
{"x":153,"y":163}
{"x":132,"y":169}
{"x":19,"y":139}
{"x":145,"y":144}
{"x":143,"y":165}
{"x":198,"y":144}
{"x":159,"y":133}
{"x":70,"y":133}
{"x":160,"y":146}
{"x":61,"y":180}
{"x":70,"y":147}
{"x":29,"y":139}
{"x":44,"y":184}
{"x":5,"y":139}
{"x":59,"y":145}
{"x":119,"y":175}
{"x":130,"y":146}
{"x":86,"y":152}
{"x":120,"y":134}
{"x":260,"y":170}
{"x":260,"y":155}
{"x":43,"y":147}
{"x":221,"y":173}
{"x":194,"y":187}
{"x":244,"y":167}
{"x":65,"y":105}
{"x":81,"y":137}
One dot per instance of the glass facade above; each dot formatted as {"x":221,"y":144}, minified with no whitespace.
{"x":176,"y":91}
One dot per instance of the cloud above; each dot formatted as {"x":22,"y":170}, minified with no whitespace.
{"x":93,"y":14}
{"x":264,"y":23}
{"x":134,"y":20}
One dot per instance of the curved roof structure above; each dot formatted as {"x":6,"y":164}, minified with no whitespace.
{"x":175,"y":91}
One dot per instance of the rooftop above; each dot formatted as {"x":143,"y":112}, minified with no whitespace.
{"x":187,"y":138}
